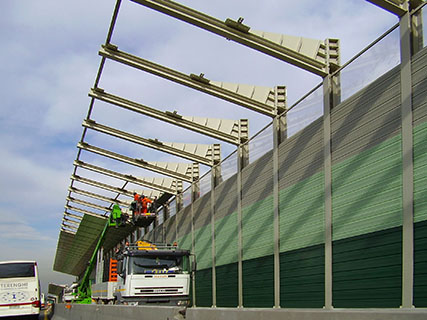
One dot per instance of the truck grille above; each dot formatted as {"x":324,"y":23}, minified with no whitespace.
{"x":158,"y":290}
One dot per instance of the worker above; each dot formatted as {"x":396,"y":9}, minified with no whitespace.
{"x":140,"y":203}
{"x":145,"y":201}
{"x":134,"y":203}
{"x":153,"y":207}
{"x":134,"y":206}
{"x":137,"y":199}
{"x":116,"y":214}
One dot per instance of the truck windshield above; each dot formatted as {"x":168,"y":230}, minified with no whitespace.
{"x":163,"y":264}
{"x":17,"y":270}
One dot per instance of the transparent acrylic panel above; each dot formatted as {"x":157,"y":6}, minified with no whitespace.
{"x":305,"y":111}
{"x":370,"y":65}
{"x":229,"y":166}
{"x":160,"y":217}
{"x":186,"y":197}
{"x":205,"y":184}
{"x":172,"y":207}
{"x":261,"y":143}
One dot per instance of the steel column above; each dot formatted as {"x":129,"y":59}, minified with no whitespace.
{"x":407,"y":162}
{"x":242,"y":161}
{"x":327,"y":91}
{"x":279,"y":130}
{"x":215,"y":178}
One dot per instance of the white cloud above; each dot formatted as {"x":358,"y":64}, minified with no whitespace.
{"x":30,"y":184}
{"x":19,"y":230}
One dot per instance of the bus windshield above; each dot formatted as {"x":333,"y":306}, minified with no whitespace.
{"x":17,"y":270}
{"x":162,"y":264}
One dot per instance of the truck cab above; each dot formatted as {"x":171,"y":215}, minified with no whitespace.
{"x":154,"y":274}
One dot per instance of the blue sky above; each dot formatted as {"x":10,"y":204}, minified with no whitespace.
{"x":49,"y":62}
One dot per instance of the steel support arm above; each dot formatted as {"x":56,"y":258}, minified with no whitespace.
{"x":98,"y":196}
{"x":90,"y":213}
{"x":152,"y":166}
{"x":74,"y":216}
{"x":154,"y":144}
{"x":68,"y":226}
{"x":197,"y":82}
{"x":238,"y":32}
{"x":394,"y":7}
{"x":88,"y":204}
{"x":65,"y":219}
{"x":126,"y":177}
{"x":67,"y":231}
{"x":101,"y":185}
{"x":169,"y":117}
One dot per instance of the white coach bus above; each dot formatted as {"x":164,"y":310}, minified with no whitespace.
{"x":19,"y":289}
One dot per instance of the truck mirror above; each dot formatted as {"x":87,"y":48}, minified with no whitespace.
{"x":193,"y":266}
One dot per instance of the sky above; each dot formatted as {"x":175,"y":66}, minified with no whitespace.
{"x":49,"y":61}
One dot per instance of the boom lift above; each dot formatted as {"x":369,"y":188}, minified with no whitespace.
{"x":83,"y":292}
{"x":116,"y":219}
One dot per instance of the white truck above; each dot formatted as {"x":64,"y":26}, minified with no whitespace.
{"x":149,"y":274}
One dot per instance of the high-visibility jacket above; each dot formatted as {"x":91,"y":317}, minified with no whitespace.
{"x":145,"y":201}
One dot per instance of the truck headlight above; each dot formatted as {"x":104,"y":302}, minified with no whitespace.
{"x":182,"y":303}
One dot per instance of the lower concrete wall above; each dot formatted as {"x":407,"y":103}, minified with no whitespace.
{"x":305,"y":314}
{"x":113,"y":312}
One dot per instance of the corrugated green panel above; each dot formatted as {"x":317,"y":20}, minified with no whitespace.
{"x":302,"y":214}
{"x":420,"y":172}
{"x":367,"y":270}
{"x":170,"y":230}
{"x":226,"y":198}
{"x":158,"y":234}
{"x":185,"y":242}
{"x":257,"y":229}
{"x":183,"y":219}
{"x":257,"y":180}
{"x":420,"y":264}
{"x":226,"y":239}
{"x":302,"y":278}
{"x":203,"y":246}
{"x":301,"y":156}
{"x":202,"y":211}
{"x":227,"y":285}
{"x":419,"y":87}
{"x":368,"y":118}
{"x":367,"y":191}
{"x":204,"y":288}
{"x":258,"y":282}
{"x":149,"y":236}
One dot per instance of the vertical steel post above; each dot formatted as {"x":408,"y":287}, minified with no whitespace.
{"x":165,"y":217}
{"x":242,"y":160}
{"x":331,"y":98}
{"x":327,"y":91}
{"x":195,"y":189}
{"x":215,"y":177}
{"x":407,"y":161}
{"x":279,"y":134}
{"x":178,"y":197}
